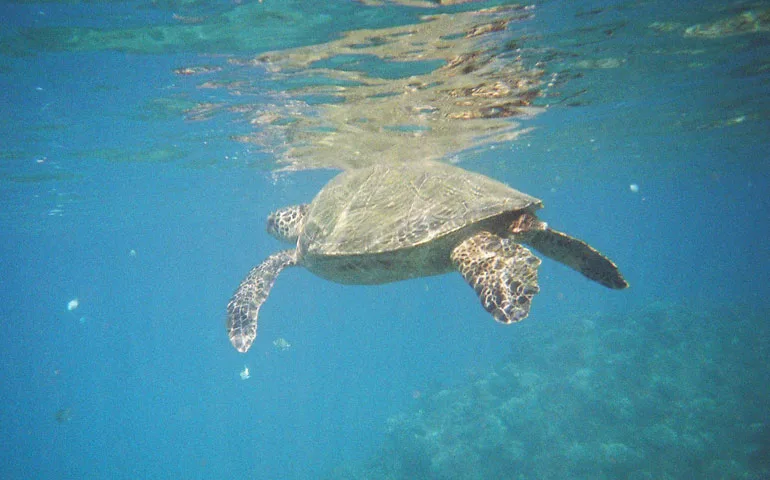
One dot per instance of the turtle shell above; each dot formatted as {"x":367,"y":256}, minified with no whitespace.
{"x":392,"y":207}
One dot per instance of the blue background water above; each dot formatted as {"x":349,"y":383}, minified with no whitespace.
{"x":91,"y":172}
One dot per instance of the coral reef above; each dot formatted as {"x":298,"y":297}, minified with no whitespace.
{"x":749,"y":21}
{"x":665,"y":392}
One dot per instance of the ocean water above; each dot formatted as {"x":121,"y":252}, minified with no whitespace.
{"x":142,"y":145}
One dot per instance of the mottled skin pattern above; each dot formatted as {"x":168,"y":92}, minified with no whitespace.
{"x":393,"y":222}
{"x":243,"y":309}
{"x":502,"y":272}
{"x":285,"y":223}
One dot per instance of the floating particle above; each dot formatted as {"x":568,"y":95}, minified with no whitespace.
{"x":281,"y":344}
{"x":634,"y":188}
{"x":63,"y":415}
{"x":245,"y":373}
{"x":132,"y":253}
{"x":73,"y":304}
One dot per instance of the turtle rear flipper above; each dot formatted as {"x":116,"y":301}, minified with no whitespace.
{"x":502,"y":272}
{"x":243,"y":308}
{"x":577,"y":255}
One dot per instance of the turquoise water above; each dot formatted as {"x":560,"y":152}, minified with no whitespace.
{"x":127,"y":185}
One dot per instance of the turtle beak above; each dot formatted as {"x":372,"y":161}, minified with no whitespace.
{"x":272,"y":225}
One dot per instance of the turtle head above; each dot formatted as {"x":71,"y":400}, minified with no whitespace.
{"x":285,"y":224}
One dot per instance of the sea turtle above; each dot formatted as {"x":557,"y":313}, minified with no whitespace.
{"x":392,"y":222}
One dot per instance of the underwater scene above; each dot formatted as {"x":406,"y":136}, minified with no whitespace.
{"x":539,"y":251}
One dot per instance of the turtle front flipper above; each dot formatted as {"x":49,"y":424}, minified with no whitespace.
{"x":502,"y":272}
{"x":570,"y":251}
{"x":243,"y":308}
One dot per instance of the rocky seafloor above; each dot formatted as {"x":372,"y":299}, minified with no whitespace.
{"x":665,"y":392}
